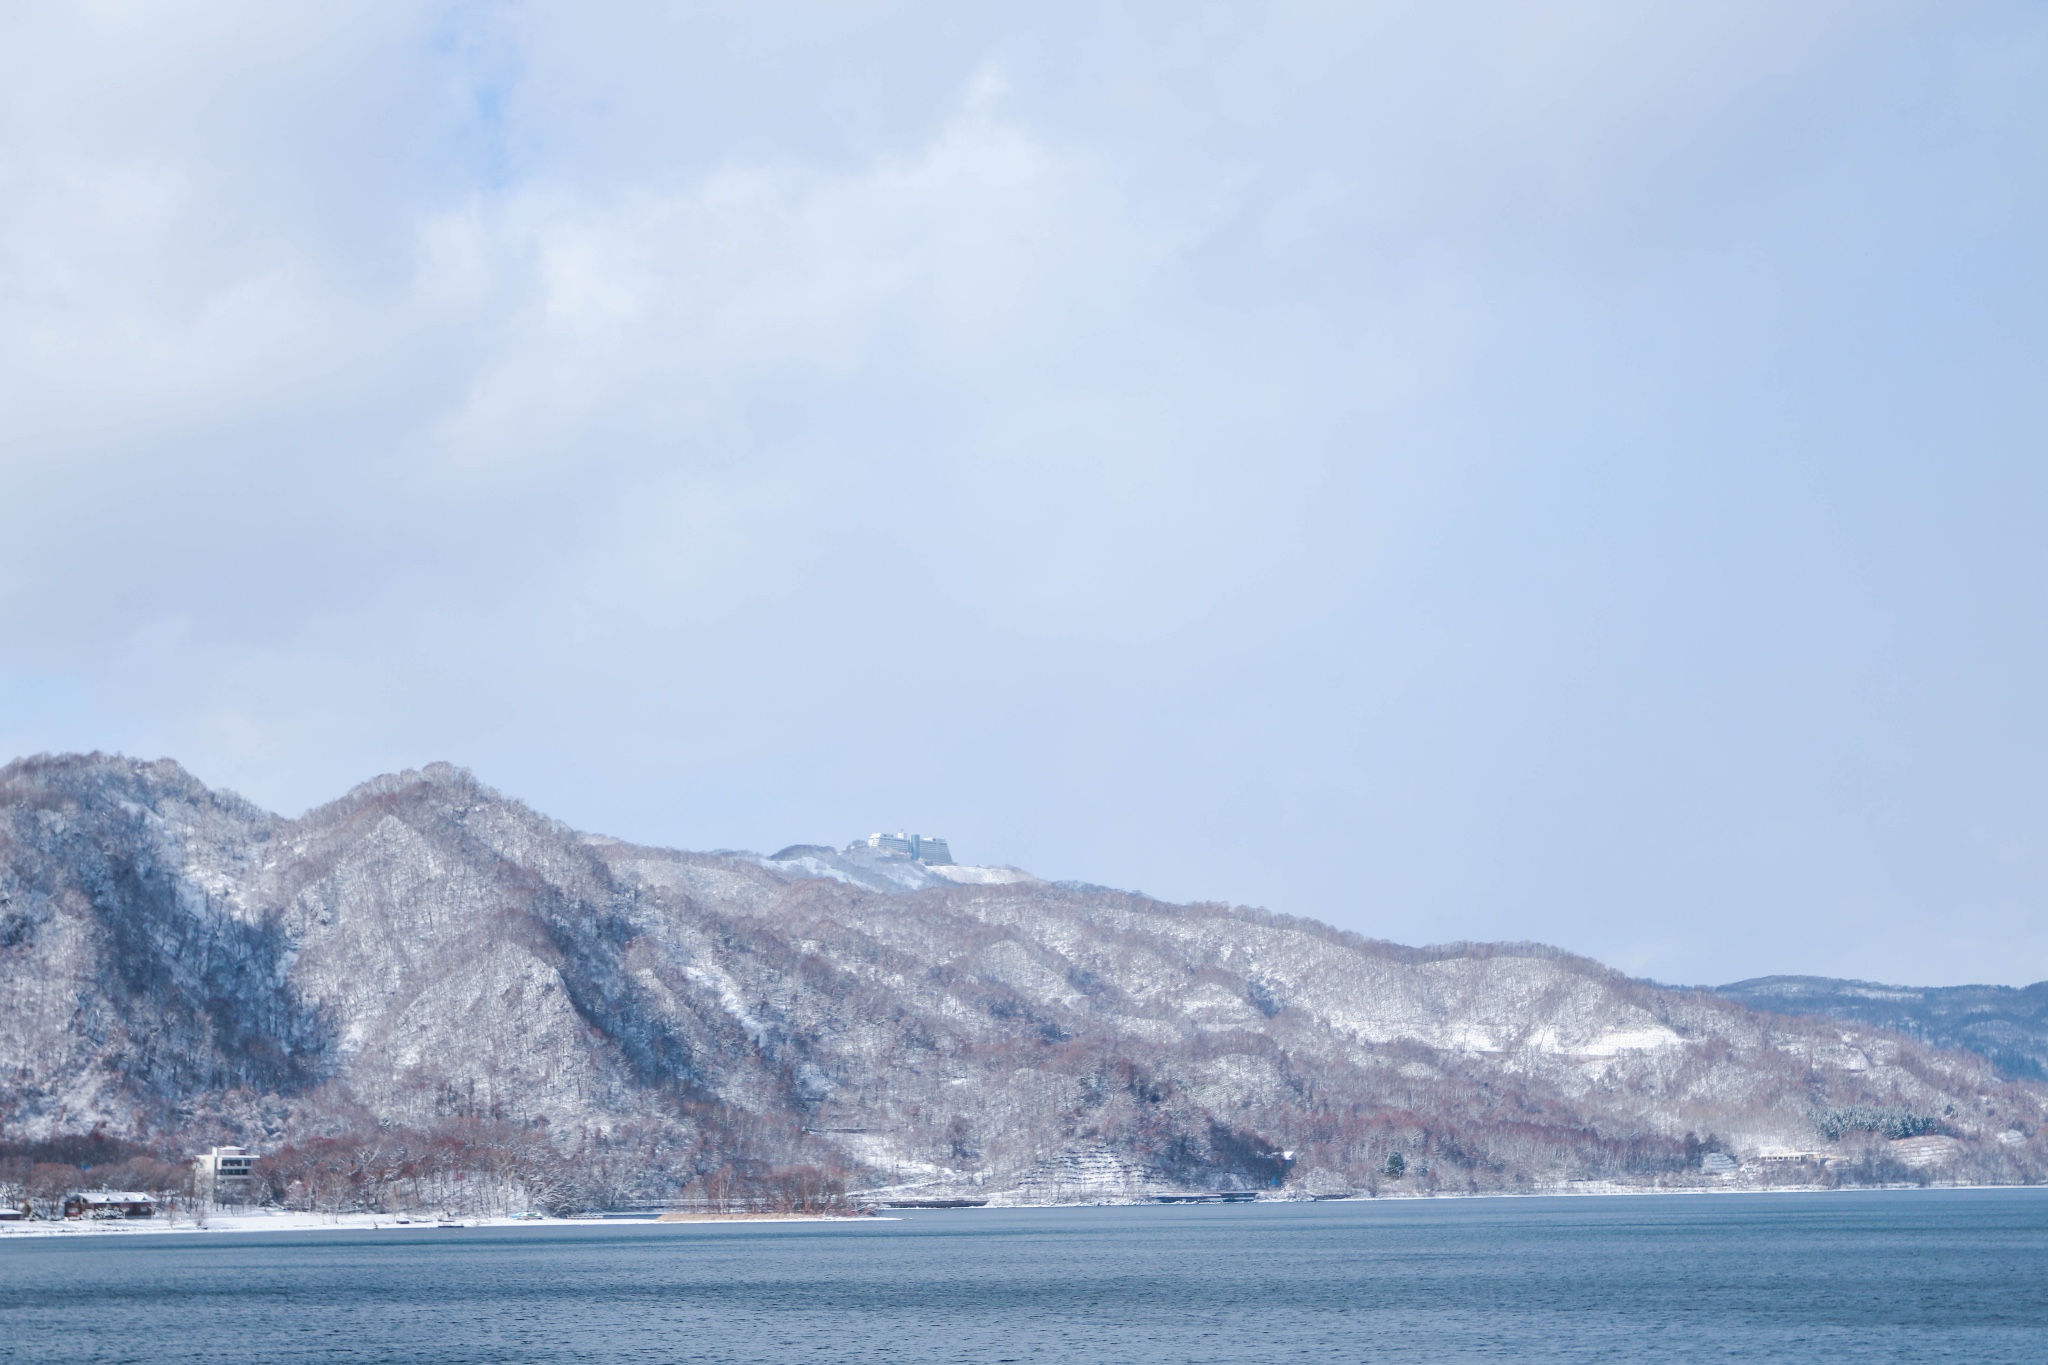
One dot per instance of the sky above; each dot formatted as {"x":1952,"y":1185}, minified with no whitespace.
{"x":1570,"y":472}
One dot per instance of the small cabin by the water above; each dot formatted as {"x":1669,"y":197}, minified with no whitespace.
{"x":1786,"y":1156}
{"x":109,"y":1204}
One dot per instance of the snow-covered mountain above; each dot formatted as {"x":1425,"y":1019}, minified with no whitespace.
{"x":424,"y":951}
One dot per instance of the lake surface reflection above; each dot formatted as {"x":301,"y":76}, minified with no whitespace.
{"x":1920,"y":1275}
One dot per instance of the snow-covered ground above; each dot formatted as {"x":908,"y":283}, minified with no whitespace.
{"x":279,"y":1221}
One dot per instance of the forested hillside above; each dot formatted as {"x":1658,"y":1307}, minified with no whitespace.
{"x":425,"y":981}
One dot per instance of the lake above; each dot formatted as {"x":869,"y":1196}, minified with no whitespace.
{"x":1878,"y":1276}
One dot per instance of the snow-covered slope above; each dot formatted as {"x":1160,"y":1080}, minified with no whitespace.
{"x":426,"y":950}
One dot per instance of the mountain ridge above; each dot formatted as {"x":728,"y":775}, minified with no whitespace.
{"x":425,"y":953}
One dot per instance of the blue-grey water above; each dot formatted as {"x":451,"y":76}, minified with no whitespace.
{"x":1895,"y":1276}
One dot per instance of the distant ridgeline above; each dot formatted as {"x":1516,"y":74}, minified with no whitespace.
{"x":2008,"y":1024}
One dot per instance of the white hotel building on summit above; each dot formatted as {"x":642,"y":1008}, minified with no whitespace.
{"x":922,"y":847}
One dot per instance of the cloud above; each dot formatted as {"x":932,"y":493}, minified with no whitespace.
{"x":1149,"y":442}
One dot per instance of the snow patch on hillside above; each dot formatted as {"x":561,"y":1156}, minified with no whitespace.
{"x":964,"y":875}
{"x":1611,"y":1043}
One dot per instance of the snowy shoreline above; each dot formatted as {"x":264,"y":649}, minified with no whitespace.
{"x":364,"y":1222}
{"x":378,"y":1222}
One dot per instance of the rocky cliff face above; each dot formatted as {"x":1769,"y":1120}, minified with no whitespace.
{"x":173,"y":960}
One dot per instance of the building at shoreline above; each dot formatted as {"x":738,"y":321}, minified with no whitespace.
{"x":109,"y":1204}
{"x":225,"y":1175}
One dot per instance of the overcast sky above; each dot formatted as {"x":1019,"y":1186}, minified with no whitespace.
{"x":1568,"y":472}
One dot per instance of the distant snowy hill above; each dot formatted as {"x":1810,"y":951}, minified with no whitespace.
{"x":425,"y":952}
{"x":2008,"y":1024}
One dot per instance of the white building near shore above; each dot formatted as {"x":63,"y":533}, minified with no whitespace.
{"x":225,"y":1175}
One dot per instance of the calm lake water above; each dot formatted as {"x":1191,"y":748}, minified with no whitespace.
{"x":1906,"y":1276}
